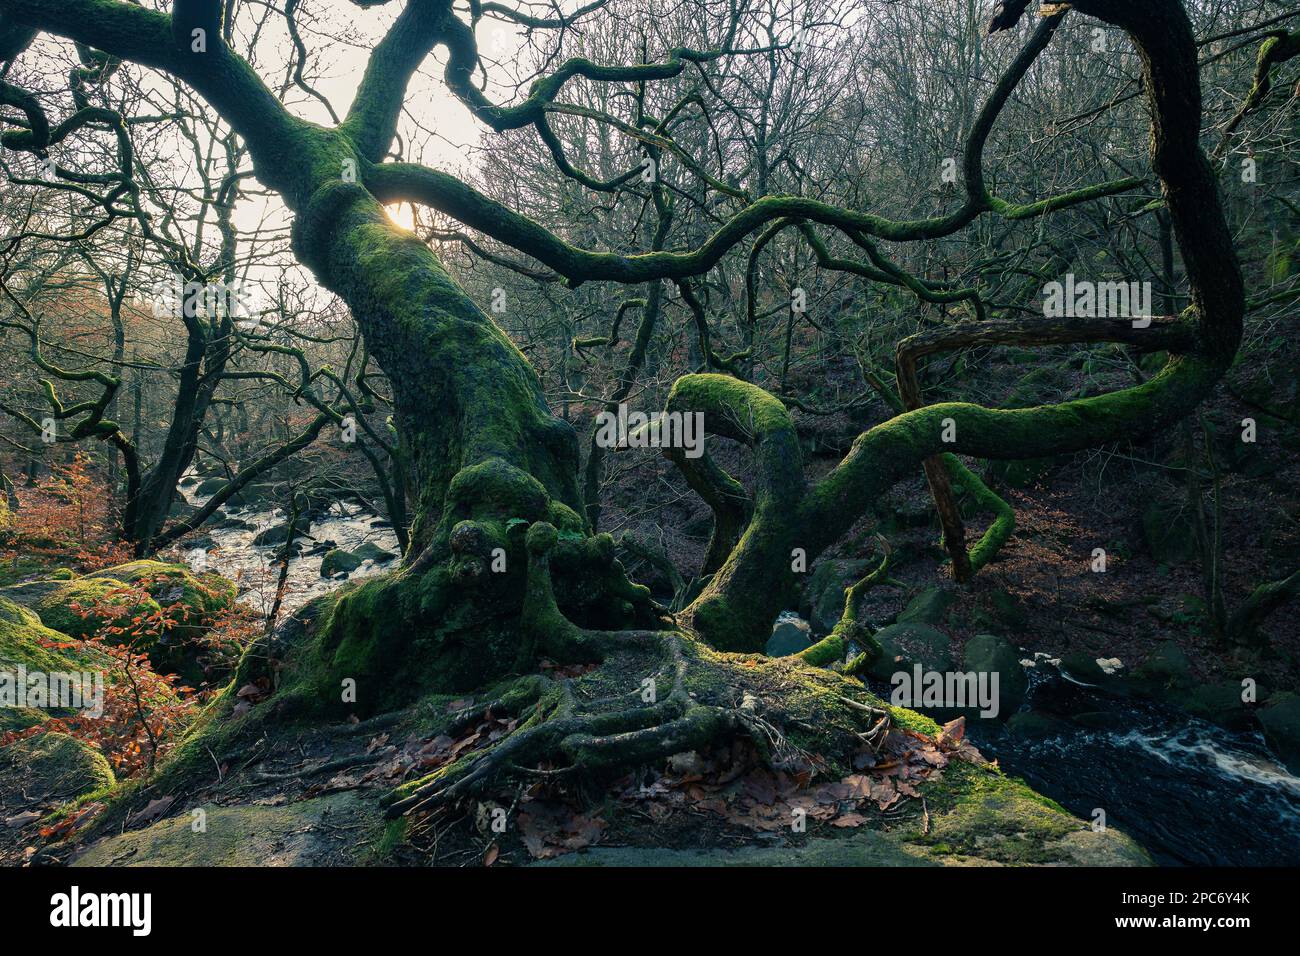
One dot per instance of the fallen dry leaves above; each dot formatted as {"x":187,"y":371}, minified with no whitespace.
{"x":551,"y":828}
{"x":733,"y":786}
{"x":736,"y":787}
{"x":416,"y":755}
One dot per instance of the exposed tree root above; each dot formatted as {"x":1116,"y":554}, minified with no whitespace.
{"x":596,"y":726}
{"x":782,"y":706}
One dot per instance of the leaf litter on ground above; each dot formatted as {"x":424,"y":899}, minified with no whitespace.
{"x":737,"y":787}
{"x":732,"y":785}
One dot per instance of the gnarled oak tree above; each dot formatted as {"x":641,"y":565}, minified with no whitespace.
{"x":495,"y":469}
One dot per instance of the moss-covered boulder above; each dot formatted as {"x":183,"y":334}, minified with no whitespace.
{"x":209,"y":486}
{"x":338,"y":561}
{"x":990,"y":654}
{"x":224,"y":521}
{"x":1280,"y":718}
{"x":1219,"y":703}
{"x":369,"y":551}
{"x":191,"y":602}
{"x":1006,"y":609}
{"x":325,"y":831}
{"x":900,"y":509}
{"x":27,"y":644}
{"x":1167,"y":669}
{"x":274,"y":535}
{"x":904,"y":645}
{"x":1085,"y":669}
{"x":67,"y":607}
{"x":257,"y":493}
{"x":48,"y":769}
{"x":975,"y":817}
{"x":980,"y":813}
{"x":929,"y":607}
{"x":196,"y":598}
{"x":823,"y":599}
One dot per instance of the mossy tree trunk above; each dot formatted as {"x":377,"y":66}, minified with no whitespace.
{"x":501,"y":567}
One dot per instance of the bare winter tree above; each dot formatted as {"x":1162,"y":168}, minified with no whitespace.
{"x":503,"y":567}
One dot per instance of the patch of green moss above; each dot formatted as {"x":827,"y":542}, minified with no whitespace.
{"x":911,"y":720}
{"x":308,"y":833}
{"x":51,"y":768}
{"x":394,"y":836}
{"x":198,"y":597}
{"x":979,"y":812}
{"x":58,"y":608}
{"x":25,"y":641}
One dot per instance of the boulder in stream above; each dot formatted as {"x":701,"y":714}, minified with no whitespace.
{"x":369,"y":551}
{"x":990,"y":654}
{"x":338,"y":562}
{"x":209,"y":486}
{"x":1280,"y":718}
{"x":276,"y":534}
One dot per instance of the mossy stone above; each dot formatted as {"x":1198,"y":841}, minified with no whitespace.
{"x":904,"y":645}
{"x":338,"y":561}
{"x":276,"y":534}
{"x":1219,"y":703}
{"x":1167,"y":668}
{"x":976,"y":817}
{"x":789,"y":637}
{"x":990,"y":654}
{"x":1007,"y":609}
{"x":1084,"y":668}
{"x":27,"y":643}
{"x":928,"y":607}
{"x":318,"y":832}
{"x":49,"y":769}
{"x":196,"y":597}
{"x":1280,"y":718}
{"x":115,"y":601}
{"x":824,"y":594}
{"x":369,"y":551}
{"x":209,"y":486}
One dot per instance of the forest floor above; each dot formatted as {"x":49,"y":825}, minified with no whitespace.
{"x":313,"y":797}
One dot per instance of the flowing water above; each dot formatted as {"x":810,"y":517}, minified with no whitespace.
{"x":231,"y":552}
{"x":1189,"y":791}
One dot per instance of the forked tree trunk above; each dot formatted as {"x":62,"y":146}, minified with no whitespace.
{"x":487,"y":456}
